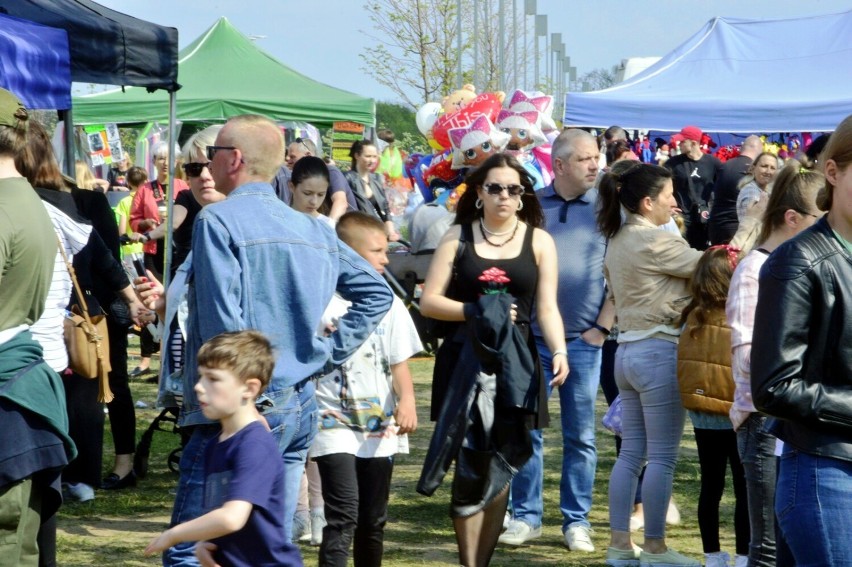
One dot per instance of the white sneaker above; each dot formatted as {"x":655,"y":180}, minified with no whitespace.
{"x":317,"y":524}
{"x":741,"y":561}
{"x":672,"y":514}
{"x":579,"y":538}
{"x":507,"y":518}
{"x":637,"y":522}
{"x":518,"y":533}
{"x":717,"y":559}
{"x":301,"y":527}
{"x":78,"y":491}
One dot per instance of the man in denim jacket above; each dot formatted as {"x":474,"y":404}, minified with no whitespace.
{"x":258,"y":264}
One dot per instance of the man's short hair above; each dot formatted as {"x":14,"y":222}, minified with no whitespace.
{"x":136,"y":176}
{"x":563,"y":145}
{"x":354,"y":223}
{"x":13,"y":124}
{"x":248,"y":354}
{"x":261,"y":142}
{"x":615,"y":133}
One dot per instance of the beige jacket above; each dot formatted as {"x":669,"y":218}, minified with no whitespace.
{"x":648,"y":271}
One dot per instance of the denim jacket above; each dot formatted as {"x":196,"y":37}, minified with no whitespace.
{"x":258,"y":264}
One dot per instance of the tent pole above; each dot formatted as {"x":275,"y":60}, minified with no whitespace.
{"x":70,"y":157}
{"x":170,"y":194}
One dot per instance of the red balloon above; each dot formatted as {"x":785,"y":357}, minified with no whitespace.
{"x":484,"y":104}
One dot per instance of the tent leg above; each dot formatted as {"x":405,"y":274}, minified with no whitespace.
{"x":171,"y":195}
{"x":70,"y":157}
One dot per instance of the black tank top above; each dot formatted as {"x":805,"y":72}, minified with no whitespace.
{"x":517,"y":276}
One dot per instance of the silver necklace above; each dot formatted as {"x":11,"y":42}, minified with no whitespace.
{"x":504,"y":233}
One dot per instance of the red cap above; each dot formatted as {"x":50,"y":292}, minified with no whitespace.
{"x":693,"y":133}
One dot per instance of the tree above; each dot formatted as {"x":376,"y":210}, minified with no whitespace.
{"x":415,"y":49}
{"x":597,"y":79}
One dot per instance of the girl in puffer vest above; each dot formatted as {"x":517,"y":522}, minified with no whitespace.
{"x":707,"y":390}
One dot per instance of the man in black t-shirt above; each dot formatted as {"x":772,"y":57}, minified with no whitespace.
{"x":723,"y":222}
{"x":694,"y":175}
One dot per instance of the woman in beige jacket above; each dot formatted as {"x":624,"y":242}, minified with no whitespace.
{"x":648,"y":271}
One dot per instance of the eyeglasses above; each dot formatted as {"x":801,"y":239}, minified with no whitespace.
{"x":497,"y":188}
{"x":194,"y":168}
{"x":211,"y":150}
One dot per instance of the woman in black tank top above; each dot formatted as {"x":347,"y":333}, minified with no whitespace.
{"x":497,"y":247}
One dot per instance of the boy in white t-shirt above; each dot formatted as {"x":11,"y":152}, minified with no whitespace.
{"x":366,"y":408}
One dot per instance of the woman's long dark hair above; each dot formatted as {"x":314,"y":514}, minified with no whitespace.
{"x":37,"y":162}
{"x":357,"y":149}
{"x":627,"y":183}
{"x":310,"y":167}
{"x":466,"y":211}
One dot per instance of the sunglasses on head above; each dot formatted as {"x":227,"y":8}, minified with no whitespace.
{"x":301,"y":141}
{"x":194,"y":168}
{"x":497,"y":188}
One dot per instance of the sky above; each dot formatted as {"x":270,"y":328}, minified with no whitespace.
{"x":322,"y":38}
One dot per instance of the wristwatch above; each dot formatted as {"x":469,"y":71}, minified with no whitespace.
{"x":602,"y":329}
{"x":147,"y":238}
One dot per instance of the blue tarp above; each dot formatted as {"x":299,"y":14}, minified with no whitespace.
{"x":736,"y":75}
{"x":35,"y":63}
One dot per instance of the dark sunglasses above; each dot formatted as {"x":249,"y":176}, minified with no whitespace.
{"x":497,"y":188}
{"x":194,"y":168}
{"x":211,"y":150}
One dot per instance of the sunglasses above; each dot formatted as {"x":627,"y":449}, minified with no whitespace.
{"x":211,"y":150}
{"x":497,"y":188}
{"x":194,"y":168}
{"x":301,"y":141}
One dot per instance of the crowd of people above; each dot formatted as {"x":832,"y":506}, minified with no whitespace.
{"x":281,"y":336}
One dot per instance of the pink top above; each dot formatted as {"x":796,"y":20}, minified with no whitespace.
{"x":742,"y":302}
{"x":144,"y":206}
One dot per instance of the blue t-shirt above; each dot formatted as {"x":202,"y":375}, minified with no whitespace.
{"x":580,"y":249}
{"x":247,"y":467}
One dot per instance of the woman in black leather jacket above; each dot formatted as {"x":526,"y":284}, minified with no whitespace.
{"x":803,"y":375}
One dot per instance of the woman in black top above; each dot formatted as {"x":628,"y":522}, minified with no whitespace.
{"x":367,"y":187}
{"x":504,"y":251}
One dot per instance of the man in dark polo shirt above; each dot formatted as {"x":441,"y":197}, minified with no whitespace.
{"x":723,"y":215}
{"x":569,"y":206}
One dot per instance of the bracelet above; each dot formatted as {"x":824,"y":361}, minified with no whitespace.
{"x":147,"y":237}
{"x":602,"y":329}
{"x":558,"y":352}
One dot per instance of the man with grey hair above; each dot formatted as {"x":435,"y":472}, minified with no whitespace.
{"x":723,"y":222}
{"x":258,"y":264}
{"x":569,"y":205}
{"x":342,"y":199}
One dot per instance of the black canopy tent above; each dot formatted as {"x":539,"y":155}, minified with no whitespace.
{"x":107,"y":47}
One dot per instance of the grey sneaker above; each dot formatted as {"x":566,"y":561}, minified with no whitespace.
{"x":622,"y":557}
{"x":579,"y":538}
{"x":317,"y":524}
{"x":301,"y":527}
{"x":78,"y":492}
{"x":518,"y":533}
{"x":670,"y":558}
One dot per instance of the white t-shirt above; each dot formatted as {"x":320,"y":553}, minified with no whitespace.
{"x":48,"y":330}
{"x":356,"y":401}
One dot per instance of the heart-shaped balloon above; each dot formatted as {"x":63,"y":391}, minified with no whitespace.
{"x":485,"y":104}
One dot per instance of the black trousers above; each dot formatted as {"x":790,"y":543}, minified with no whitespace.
{"x":122,"y":412}
{"x":86,"y":428}
{"x":154,"y":263}
{"x":356,"y":493}
{"x":716,"y":449}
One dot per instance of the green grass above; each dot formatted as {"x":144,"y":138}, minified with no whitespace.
{"x":114,"y":529}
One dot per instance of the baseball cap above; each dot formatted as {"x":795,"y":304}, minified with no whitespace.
{"x":693,"y":133}
{"x":11,"y":109}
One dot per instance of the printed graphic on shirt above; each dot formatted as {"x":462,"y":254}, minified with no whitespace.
{"x":495,"y":281}
{"x":216,"y":489}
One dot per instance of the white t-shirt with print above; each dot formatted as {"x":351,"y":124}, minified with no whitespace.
{"x":356,"y":401}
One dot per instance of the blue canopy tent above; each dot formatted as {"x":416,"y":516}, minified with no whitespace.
{"x":737,"y":76}
{"x":35,"y":63}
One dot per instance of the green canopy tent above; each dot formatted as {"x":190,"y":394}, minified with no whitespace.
{"x":223,"y":74}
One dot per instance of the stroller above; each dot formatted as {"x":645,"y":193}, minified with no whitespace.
{"x":409,"y":264}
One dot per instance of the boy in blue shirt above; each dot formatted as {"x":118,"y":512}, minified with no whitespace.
{"x":243,"y":486}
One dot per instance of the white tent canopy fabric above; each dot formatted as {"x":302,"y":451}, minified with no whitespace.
{"x":738,"y":76}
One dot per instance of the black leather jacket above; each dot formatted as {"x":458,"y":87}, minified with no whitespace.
{"x":801,"y":358}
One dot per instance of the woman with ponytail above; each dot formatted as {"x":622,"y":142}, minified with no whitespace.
{"x":648,"y":271}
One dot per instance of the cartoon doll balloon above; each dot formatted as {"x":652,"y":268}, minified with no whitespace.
{"x":473,"y":144}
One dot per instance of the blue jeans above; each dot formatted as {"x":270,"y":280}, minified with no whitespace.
{"x":652,"y":427}
{"x":812,"y":502}
{"x":579,"y":456}
{"x":293,"y":420}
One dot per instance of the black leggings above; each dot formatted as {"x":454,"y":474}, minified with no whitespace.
{"x":717,"y":448}
{"x":122,"y":413}
{"x":154,"y":263}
